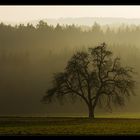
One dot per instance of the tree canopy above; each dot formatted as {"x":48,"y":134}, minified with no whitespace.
{"x":96,"y":77}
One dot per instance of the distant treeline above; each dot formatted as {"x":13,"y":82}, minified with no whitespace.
{"x":25,"y":38}
{"x":29,"y":55}
{"x":67,"y":35}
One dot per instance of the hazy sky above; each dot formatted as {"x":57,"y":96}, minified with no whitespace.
{"x":27,"y":13}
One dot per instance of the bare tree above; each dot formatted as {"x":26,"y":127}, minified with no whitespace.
{"x":94,"y":76}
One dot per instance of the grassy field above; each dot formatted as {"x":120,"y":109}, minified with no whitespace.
{"x":68,"y":126}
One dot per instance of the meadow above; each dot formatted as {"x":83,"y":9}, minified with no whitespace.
{"x":59,"y":126}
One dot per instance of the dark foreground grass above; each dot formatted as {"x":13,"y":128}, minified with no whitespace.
{"x":68,"y":126}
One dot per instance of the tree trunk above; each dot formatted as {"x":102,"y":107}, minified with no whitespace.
{"x":91,"y":112}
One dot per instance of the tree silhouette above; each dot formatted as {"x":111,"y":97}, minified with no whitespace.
{"x":95,"y":77}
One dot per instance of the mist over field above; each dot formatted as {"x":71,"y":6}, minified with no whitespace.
{"x":31,"y":54}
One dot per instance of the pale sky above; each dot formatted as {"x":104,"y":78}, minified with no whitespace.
{"x":27,"y":13}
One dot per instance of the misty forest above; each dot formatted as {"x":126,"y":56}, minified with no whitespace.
{"x":30,"y":55}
